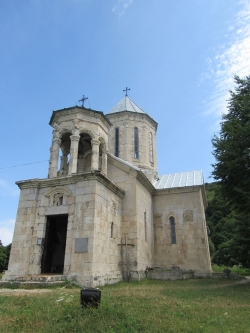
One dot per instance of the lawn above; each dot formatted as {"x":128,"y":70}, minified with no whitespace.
{"x":198,"y":305}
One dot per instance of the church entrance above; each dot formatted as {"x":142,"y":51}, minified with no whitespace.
{"x":54,"y":244}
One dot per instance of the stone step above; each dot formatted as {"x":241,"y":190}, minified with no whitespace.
{"x":44,"y":278}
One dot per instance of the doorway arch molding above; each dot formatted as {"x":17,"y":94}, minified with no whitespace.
{"x":52,"y":191}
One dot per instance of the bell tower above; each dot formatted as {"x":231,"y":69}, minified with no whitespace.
{"x":79,"y":142}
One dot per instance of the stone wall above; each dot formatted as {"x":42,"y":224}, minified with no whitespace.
{"x":175,"y":273}
{"x":191,"y":249}
{"x":145,"y":228}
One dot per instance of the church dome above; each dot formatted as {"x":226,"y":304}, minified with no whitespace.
{"x":126,"y":104}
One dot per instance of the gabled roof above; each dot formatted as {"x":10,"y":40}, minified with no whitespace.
{"x":182,"y":179}
{"x":126,"y":104}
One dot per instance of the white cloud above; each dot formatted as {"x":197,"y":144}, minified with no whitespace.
{"x":6,"y":231}
{"x":120,"y":8}
{"x":230,"y":59}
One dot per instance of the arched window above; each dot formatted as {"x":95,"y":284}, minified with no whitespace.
{"x":117,"y":141}
{"x":151,"y":156}
{"x":136,"y":142}
{"x":145,"y":225}
{"x":172,"y":230}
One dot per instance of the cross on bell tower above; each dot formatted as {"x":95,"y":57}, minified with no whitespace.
{"x":83,"y":99}
{"x":126,"y":89}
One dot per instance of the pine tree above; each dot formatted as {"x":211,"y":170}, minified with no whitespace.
{"x":232,"y":170}
{"x":3,"y":257}
{"x":232,"y":148}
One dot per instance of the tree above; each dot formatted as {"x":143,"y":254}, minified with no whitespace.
{"x":3,"y":257}
{"x":232,"y":170}
{"x":221,"y":221}
{"x":232,"y":148}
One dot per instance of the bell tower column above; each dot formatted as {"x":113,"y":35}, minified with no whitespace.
{"x":95,"y":154}
{"x":63,"y":162}
{"x":73,"y":154}
{"x":104,"y":161}
{"x":54,"y":154}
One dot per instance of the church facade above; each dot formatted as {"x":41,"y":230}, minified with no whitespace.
{"x":103,"y":214}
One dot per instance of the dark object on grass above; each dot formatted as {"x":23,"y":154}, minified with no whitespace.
{"x":90,"y":298}
{"x":226,"y":272}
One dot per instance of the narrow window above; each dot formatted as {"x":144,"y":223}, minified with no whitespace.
{"x":111,"y":230}
{"x":117,"y":141}
{"x":145,"y":225}
{"x":172,"y":231}
{"x":151,"y":147}
{"x":136,"y":143}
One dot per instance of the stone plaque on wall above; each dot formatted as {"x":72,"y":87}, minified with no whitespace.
{"x":157,"y":220}
{"x":188,"y":215}
{"x":81,"y":245}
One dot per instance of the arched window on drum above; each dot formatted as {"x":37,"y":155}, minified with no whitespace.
{"x":136,"y":142}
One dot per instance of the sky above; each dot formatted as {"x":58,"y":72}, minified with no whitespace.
{"x":177,"y":57}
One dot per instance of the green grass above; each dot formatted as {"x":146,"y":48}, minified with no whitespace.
{"x":235,"y":269}
{"x":190,"y":306}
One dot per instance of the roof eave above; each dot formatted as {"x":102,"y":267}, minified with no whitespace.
{"x":54,"y":113}
{"x":145,"y":114}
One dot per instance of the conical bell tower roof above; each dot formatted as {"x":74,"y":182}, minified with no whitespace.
{"x":126,"y":104}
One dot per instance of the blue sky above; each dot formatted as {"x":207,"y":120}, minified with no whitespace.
{"x":177,"y":57}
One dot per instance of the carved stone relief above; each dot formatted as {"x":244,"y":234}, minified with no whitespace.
{"x":188,"y":215}
{"x":157,"y":220}
{"x":113,"y":208}
{"x":58,"y":199}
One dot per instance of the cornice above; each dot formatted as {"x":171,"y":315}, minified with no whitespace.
{"x":177,"y":190}
{"x":67,"y":180}
{"x":145,"y":181}
{"x":76,"y":109}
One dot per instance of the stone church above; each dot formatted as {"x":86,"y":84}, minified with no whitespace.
{"x":104,"y":214}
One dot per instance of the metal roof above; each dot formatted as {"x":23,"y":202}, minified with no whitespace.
{"x":182,"y":179}
{"x":126,"y":104}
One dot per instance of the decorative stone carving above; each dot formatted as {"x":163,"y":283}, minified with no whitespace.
{"x":56,"y":130}
{"x":74,"y":138}
{"x":157,"y":220}
{"x":113,"y":208}
{"x":58,"y":199}
{"x":188,"y":215}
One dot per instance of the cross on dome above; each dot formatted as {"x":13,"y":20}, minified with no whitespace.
{"x":126,"y":89}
